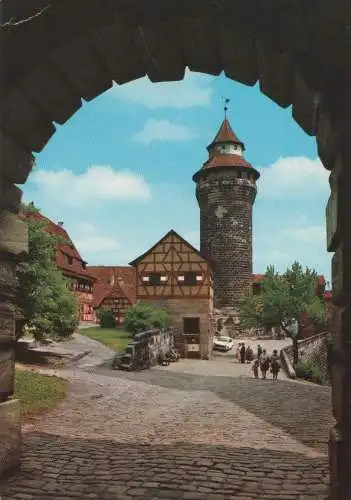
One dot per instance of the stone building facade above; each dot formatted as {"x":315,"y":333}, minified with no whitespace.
{"x":173,"y":275}
{"x":226,"y":191}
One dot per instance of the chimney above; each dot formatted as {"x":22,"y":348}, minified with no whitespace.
{"x":60,"y":223}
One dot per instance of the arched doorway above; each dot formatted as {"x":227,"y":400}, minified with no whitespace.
{"x":55,"y":56}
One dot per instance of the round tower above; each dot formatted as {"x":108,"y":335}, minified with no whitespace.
{"x":226,"y":191}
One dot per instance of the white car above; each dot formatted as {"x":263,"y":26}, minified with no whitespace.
{"x":223,"y":343}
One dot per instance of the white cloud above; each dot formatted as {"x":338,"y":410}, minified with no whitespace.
{"x":97,"y":183}
{"x":89,"y":240}
{"x":295,"y":177}
{"x":163,"y":130}
{"x":194,"y":90}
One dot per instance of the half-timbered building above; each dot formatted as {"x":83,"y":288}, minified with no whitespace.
{"x":175,"y":276}
{"x":114,"y":289}
{"x":71,"y":264}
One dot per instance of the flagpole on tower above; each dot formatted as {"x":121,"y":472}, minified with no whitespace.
{"x":226,"y":102}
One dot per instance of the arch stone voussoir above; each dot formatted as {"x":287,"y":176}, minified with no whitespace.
{"x":84,"y":68}
{"x":51,"y":91}
{"x":25,"y":121}
{"x":116,"y":48}
{"x":198,"y":45}
{"x":305,"y":105}
{"x":15,"y":161}
{"x":275,"y":72}
{"x":237,"y":52}
{"x":158,"y":47}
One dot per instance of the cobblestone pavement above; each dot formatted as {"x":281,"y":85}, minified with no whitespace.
{"x":185,"y":432}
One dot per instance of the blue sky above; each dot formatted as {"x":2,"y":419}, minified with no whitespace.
{"x":118,"y":173}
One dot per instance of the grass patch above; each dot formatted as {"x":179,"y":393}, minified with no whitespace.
{"x":38,"y":392}
{"x":111,"y":337}
{"x":308,"y":371}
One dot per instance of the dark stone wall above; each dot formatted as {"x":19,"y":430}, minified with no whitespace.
{"x":226,"y":199}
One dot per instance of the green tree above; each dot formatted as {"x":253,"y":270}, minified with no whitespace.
{"x":289,"y":301}
{"x":45,"y":301}
{"x":142,"y":317}
{"x":106,"y":318}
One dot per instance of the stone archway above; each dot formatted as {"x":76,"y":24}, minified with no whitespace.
{"x":299,"y":53}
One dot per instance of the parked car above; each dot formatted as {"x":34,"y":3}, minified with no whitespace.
{"x":222,"y":343}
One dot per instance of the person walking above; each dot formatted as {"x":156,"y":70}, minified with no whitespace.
{"x":237,"y":354}
{"x":275,"y":365}
{"x":242,"y":353}
{"x":255,"y":367}
{"x":249,"y":354}
{"x":259,"y":351}
{"x":264,"y":364}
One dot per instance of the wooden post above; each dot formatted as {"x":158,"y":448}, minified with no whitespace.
{"x":335,"y":146}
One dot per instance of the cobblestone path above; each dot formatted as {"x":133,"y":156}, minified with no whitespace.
{"x":182,"y":432}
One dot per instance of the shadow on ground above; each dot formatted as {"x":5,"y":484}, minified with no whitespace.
{"x":300,"y":409}
{"x":62,"y":468}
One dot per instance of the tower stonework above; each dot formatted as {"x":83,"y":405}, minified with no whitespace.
{"x":226,"y":191}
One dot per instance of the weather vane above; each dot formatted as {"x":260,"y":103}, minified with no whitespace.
{"x":226,"y":101}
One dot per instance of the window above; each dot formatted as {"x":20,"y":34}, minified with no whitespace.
{"x":154,"y":278}
{"x":84,"y":266}
{"x":70,"y":260}
{"x":191,"y":326}
{"x":190,"y":278}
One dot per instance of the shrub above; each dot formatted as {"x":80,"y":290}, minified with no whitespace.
{"x":143,"y":317}
{"x":106,"y":318}
{"x":308,"y":371}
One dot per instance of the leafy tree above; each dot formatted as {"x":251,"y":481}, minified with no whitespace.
{"x":289,"y":301}
{"x":142,"y":317}
{"x":106,"y":318}
{"x":48,"y":307}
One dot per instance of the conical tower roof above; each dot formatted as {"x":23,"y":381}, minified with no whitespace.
{"x":226,"y":134}
{"x":226,"y":151}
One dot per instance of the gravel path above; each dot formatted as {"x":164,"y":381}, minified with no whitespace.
{"x":196,"y":429}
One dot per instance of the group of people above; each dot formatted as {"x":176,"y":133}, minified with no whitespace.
{"x":261,"y":363}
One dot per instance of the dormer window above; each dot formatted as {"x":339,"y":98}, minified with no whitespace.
{"x":84,"y":266}
{"x":70,"y":260}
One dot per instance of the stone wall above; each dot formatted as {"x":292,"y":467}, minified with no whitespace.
{"x":313,"y":350}
{"x":13,"y":244}
{"x":160,"y":343}
{"x":180,"y":308}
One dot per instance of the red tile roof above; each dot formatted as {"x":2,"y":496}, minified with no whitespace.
{"x":123,"y":283}
{"x":64,"y":250}
{"x":229,"y":160}
{"x":256,"y":278}
{"x":226,"y":134}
